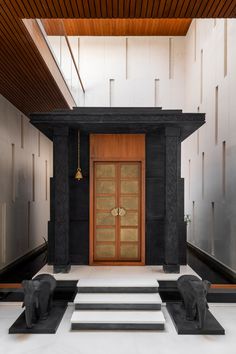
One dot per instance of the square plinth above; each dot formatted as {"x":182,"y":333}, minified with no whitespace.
{"x":49,"y":325}
{"x":183,"y":326}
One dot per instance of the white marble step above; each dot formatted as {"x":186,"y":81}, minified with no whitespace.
{"x":108,"y":285}
{"x":117,"y":320}
{"x":150,"y":301}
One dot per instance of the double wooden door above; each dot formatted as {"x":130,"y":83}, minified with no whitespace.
{"x":117,"y":211}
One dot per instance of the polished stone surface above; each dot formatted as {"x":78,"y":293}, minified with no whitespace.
{"x":113,"y":274}
{"x":117,"y":298}
{"x":108,"y":320}
{"x":119,"y":342}
{"x":118,"y":317}
{"x":115,"y":301}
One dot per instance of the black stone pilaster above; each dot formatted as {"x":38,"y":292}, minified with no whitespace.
{"x":61,"y":199}
{"x":172,"y":141}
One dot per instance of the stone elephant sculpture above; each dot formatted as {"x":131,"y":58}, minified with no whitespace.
{"x":194,"y":291}
{"x":38,"y":294}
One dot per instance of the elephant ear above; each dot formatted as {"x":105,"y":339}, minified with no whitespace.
{"x":36,"y":284}
{"x":44,"y":287}
{"x":23,"y":283}
{"x":206,"y":285}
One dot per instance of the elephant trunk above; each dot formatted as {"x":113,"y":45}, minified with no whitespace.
{"x":29,"y":313}
{"x":31,"y":309}
{"x":201,"y":311}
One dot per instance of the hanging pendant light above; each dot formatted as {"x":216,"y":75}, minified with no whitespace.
{"x":78,"y":174}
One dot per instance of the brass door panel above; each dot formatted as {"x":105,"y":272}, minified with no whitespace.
{"x":106,"y":187}
{"x":107,"y":170}
{"x":117,"y":211}
{"x":129,"y":234}
{"x":128,"y":187}
{"x":105,"y":235}
{"x":130,"y":171}
{"x":104,"y":203}
{"x":129,"y":251}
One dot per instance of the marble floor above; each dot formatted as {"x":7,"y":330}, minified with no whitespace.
{"x":117,"y":342}
{"x":66,"y":341}
{"x":114,"y":274}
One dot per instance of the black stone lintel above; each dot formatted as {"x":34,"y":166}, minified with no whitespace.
{"x":118,"y":120}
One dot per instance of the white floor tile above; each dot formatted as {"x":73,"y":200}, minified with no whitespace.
{"x":117,"y":282}
{"x":83,"y":298}
{"x":152,"y":317}
{"x":66,"y":341}
{"x":135,"y":274}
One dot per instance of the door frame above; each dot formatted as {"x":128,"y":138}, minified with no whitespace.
{"x":91,"y":213}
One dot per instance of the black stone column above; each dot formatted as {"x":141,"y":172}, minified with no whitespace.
{"x":61,"y":199}
{"x":171,"y":264}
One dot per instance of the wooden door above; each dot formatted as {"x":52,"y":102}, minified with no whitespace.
{"x":117,"y":211}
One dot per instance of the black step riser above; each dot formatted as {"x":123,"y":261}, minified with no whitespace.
{"x":116,"y":326}
{"x":136,"y":307}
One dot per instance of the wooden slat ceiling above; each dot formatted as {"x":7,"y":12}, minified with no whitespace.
{"x":25,"y":79}
{"x":124,"y":8}
{"x":117,"y":27}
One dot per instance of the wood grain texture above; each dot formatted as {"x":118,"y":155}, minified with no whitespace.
{"x":116,"y":148}
{"x":10,"y":286}
{"x":25,"y":79}
{"x":118,"y":27}
{"x":223,"y":286}
{"x":120,"y":8}
{"x":108,"y":227}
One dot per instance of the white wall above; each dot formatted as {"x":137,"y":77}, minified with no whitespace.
{"x":132,"y":63}
{"x":212,"y":229}
{"x":23,"y":221}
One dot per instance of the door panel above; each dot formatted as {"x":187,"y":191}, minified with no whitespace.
{"x":128,"y":234}
{"x":106,"y":187}
{"x":117,"y":211}
{"x":105,"y":235}
{"x":105,"y":251}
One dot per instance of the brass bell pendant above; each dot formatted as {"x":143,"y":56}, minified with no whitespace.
{"x":78,"y":174}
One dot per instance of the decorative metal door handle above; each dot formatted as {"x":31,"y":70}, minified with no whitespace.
{"x":122,"y":211}
{"x":115,"y":212}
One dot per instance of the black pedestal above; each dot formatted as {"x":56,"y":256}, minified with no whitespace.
{"x":183,"y":326}
{"x":49,"y":325}
{"x":61,"y":268}
{"x":171,"y":268}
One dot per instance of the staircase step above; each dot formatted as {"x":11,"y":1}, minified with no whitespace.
{"x":117,"y":286}
{"x":108,"y":301}
{"x":120,"y":320}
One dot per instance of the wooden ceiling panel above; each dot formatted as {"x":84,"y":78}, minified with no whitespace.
{"x":229,"y":10}
{"x":123,"y":8}
{"x":117,"y":27}
{"x":25,"y":78}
